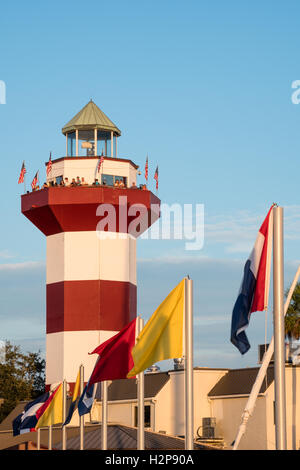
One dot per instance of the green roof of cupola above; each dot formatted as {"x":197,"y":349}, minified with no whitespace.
{"x":90,"y":117}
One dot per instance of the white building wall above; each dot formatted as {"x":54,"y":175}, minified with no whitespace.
{"x":260,"y":430}
{"x":228,"y":413}
{"x":87,"y":168}
{"x":169,"y":408}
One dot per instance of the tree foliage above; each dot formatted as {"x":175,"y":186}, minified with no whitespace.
{"x":292,"y":318}
{"x":22,"y":377}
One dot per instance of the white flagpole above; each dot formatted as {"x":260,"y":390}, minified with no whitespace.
{"x":81,"y":418}
{"x":39,"y":439}
{"x":50,"y":437}
{"x":261,"y":373}
{"x":279,"y":336}
{"x":104,"y":415}
{"x":188,"y":370}
{"x":64,"y":434}
{"x":141,"y":404}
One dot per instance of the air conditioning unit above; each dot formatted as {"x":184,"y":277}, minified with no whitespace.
{"x":208,"y":428}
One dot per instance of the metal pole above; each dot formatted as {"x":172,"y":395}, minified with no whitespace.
{"x":262,"y":372}
{"x":39,"y":439}
{"x":189,"y":389}
{"x":104,"y":415}
{"x":141,"y":404}
{"x":95,"y":142}
{"x":81,"y":418}
{"x":279,"y":336}
{"x":50,"y":437}
{"x":111,"y":144}
{"x":64,"y":430}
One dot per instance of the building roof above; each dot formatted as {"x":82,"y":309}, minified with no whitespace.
{"x":240,"y":382}
{"x":90,"y":117}
{"x":126,"y":389}
{"x":125,"y":437}
{"x":6,"y":424}
{"x":118,"y":437}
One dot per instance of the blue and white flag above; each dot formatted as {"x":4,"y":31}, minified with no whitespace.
{"x":87,"y":399}
{"x":26,"y":421}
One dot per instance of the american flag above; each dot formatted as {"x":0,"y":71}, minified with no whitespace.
{"x":100,"y":163}
{"x":35,"y":180}
{"x":22,"y":174}
{"x":156,"y":177}
{"x":146,"y":169}
{"x":49,"y":165}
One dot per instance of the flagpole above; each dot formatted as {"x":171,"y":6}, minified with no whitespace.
{"x":279,"y":335}
{"x":262,"y":372}
{"x":141,"y":404}
{"x":189,"y":388}
{"x":81,"y":418}
{"x":64,"y":435}
{"x":104,"y":415}
{"x":38,"y":439}
{"x":50,"y":437}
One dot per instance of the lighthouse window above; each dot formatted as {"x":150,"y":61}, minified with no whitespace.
{"x":71,"y":144}
{"x":58,"y":180}
{"x":113,"y":180}
{"x":108,"y":180}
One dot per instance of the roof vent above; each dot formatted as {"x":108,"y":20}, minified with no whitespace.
{"x":178,"y":363}
{"x":153,"y":369}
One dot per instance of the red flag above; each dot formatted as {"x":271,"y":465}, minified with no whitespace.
{"x":35,"y":180}
{"x":22,"y":174}
{"x":146,"y":170}
{"x":49,"y":166}
{"x":115,"y":359}
{"x":156,"y":177}
{"x":100,"y":163}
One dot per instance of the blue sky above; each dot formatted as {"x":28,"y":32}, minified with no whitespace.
{"x":203,"y":88}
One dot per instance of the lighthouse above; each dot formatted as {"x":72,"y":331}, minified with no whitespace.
{"x":91,"y":211}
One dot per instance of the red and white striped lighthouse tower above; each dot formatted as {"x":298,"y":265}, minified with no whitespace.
{"x":91,"y":232}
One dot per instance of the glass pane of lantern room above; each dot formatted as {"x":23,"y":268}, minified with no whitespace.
{"x":72,"y":144}
{"x":86,"y":143}
{"x":103,"y":144}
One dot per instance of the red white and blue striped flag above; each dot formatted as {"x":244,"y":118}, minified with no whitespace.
{"x":22,"y":174}
{"x":49,"y":165}
{"x":146,"y":169}
{"x":26,"y":421}
{"x":35,"y":180}
{"x":156,"y":177}
{"x":101,"y":160}
{"x":254,"y":291}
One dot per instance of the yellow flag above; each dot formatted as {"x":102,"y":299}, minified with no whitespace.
{"x":162,"y":336}
{"x":77,"y":387}
{"x":54,"y":412}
